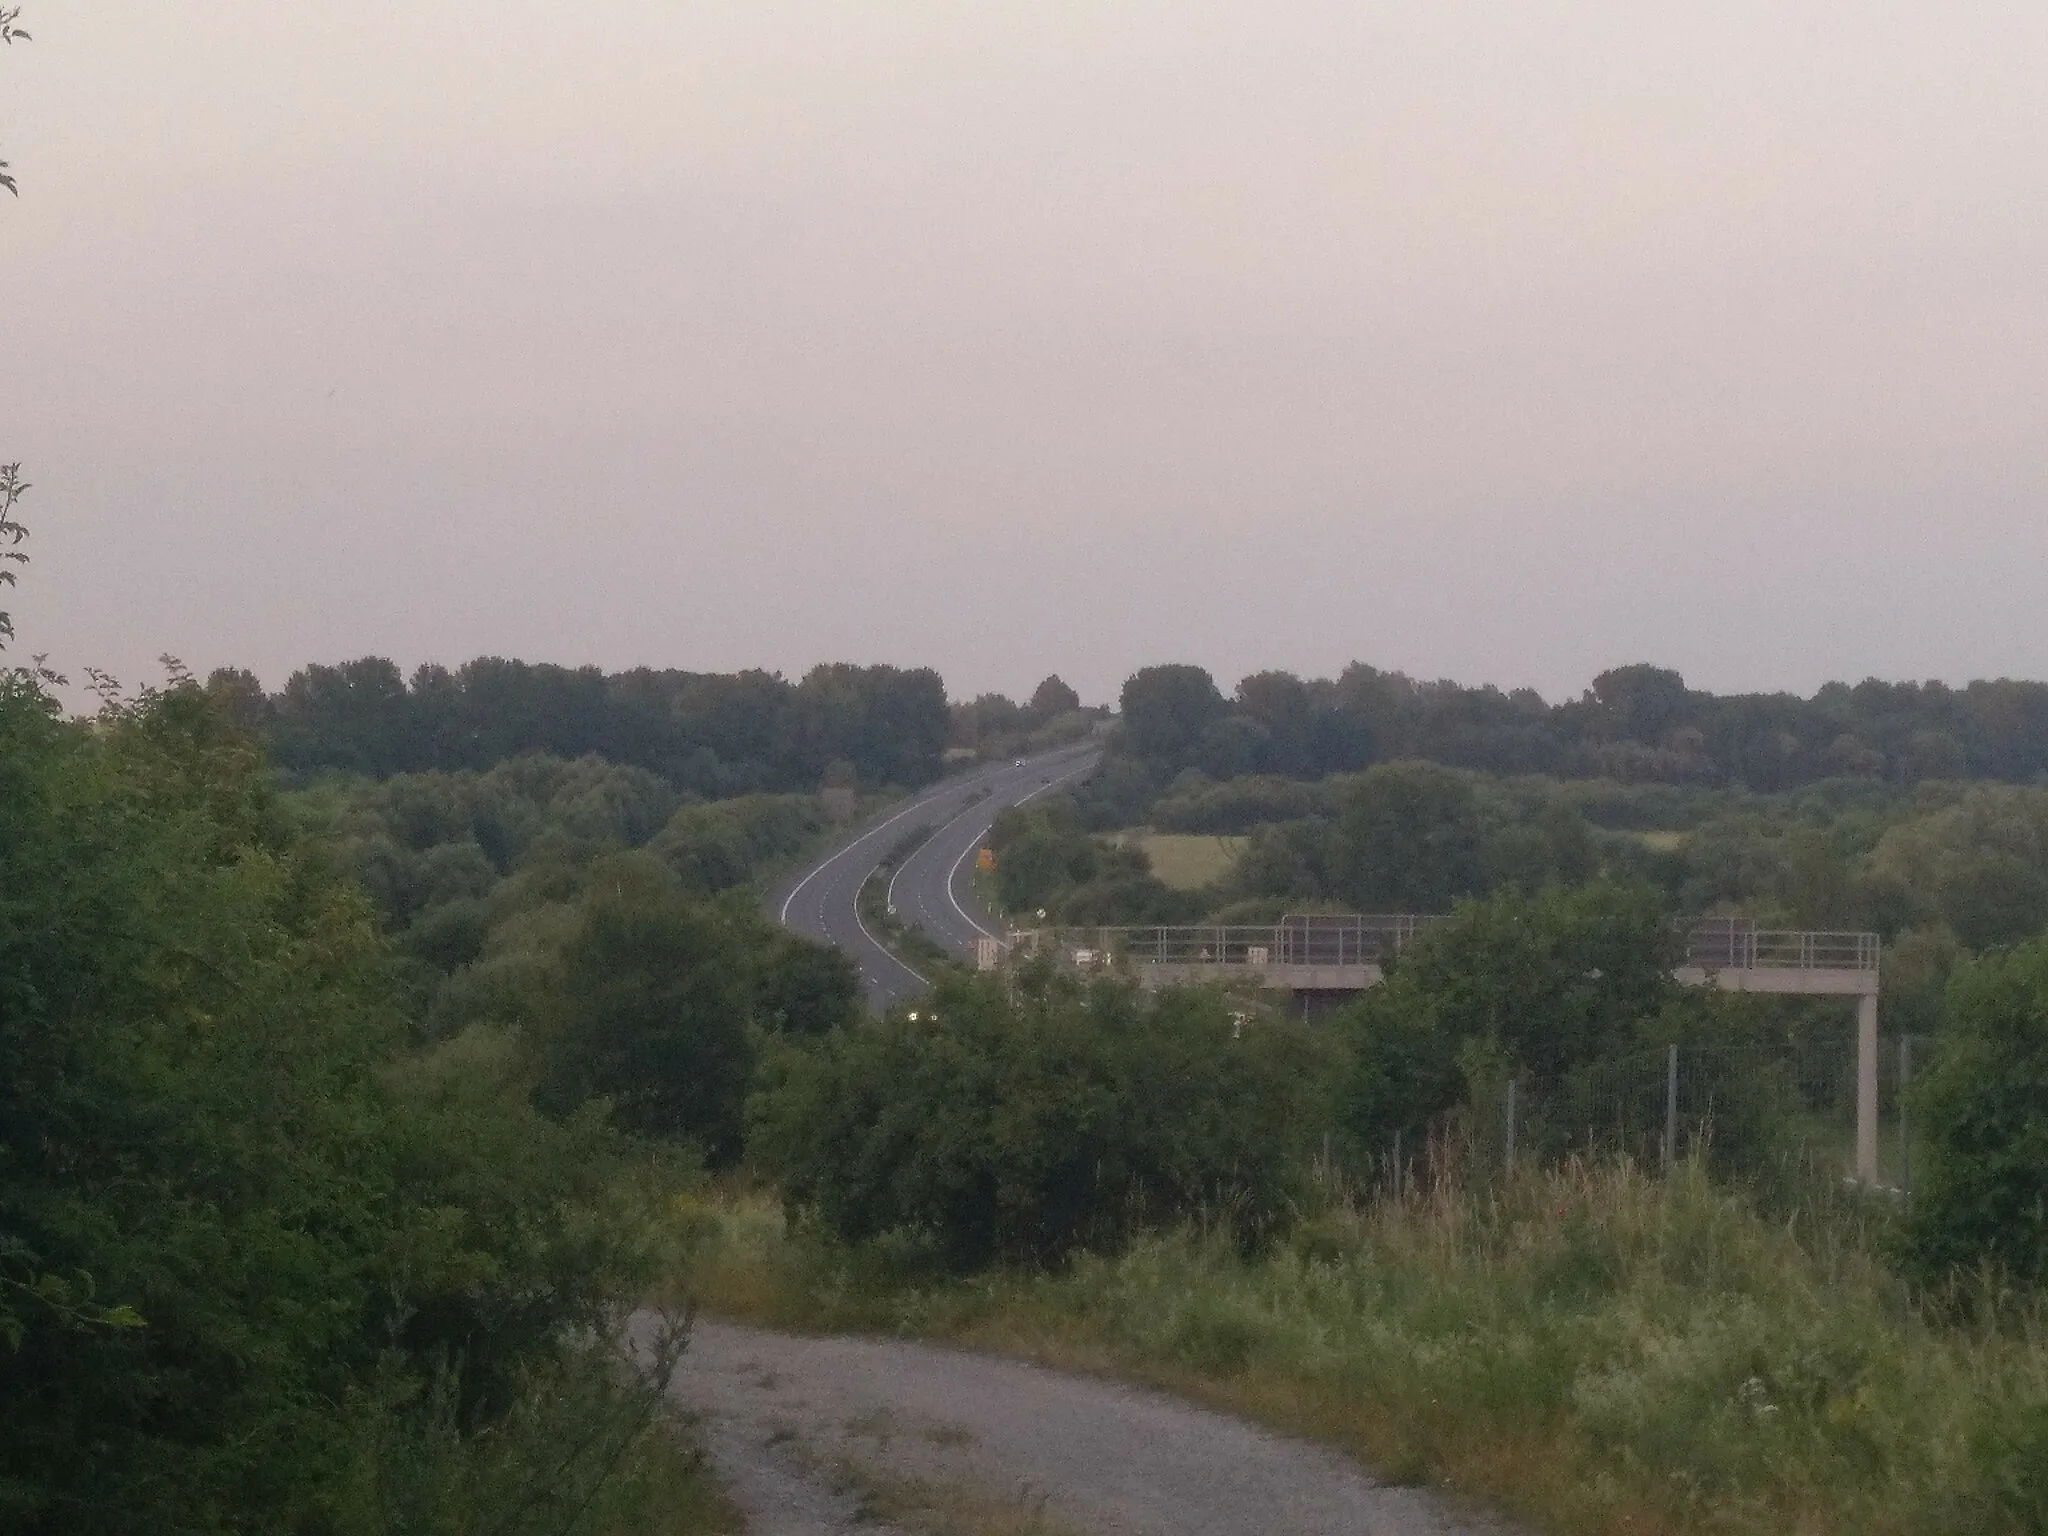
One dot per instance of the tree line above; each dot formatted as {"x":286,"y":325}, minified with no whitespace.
{"x":721,"y":734}
{"x":714,"y":734}
{"x":1636,"y":724}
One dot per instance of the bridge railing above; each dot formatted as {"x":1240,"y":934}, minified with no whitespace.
{"x":1729,"y":944}
{"x":1327,"y":941}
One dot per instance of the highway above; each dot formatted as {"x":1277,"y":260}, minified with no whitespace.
{"x":933,"y":887}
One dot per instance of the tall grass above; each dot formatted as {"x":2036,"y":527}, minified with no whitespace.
{"x":1591,"y":1347}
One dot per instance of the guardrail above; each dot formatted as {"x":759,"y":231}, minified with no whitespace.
{"x":1713,"y":944}
{"x":1729,"y":944}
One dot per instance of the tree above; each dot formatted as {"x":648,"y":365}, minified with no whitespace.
{"x":1167,"y":709}
{"x":1536,"y":986}
{"x":651,"y":1013}
{"x":802,"y":988}
{"x":1983,"y":1109}
{"x":1051,"y":699}
{"x":1279,"y":701}
{"x":1406,"y":839}
{"x":1641,"y":702}
{"x":1556,"y":979}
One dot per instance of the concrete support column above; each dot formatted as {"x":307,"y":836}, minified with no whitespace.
{"x":1866,"y":1089}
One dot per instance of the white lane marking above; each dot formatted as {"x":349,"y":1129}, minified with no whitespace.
{"x":918,"y":804}
{"x":839,"y":853}
{"x":942,"y":831}
{"x":882,"y":948}
{"x":954,"y":873}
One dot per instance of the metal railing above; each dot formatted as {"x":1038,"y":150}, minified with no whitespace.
{"x":1732,"y":944}
{"x":1325,"y":941}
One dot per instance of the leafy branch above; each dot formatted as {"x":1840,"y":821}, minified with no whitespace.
{"x":12,"y":529}
{"x":10,"y":33}
{"x":68,"y":1301}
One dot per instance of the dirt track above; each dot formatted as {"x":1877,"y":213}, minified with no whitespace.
{"x":790,"y":1421}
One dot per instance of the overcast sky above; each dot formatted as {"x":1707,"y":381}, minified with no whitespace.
{"x":1499,"y":340}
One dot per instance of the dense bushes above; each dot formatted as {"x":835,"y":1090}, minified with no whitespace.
{"x":1983,"y":1197}
{"x":1526,"y":986}
{"x":1023,"y":1127}
{"x":1237,"y":805}
{"x":1045,"y":861}
{"x":251,"y":1245}
{"x":650,"y":1013}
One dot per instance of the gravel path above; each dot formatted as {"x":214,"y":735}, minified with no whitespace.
{"x":782,"y":1412}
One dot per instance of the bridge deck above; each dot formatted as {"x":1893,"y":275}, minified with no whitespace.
{"x":1345,"y":953}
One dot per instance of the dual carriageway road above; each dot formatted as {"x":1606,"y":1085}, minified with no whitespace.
{"x":932,"y":889}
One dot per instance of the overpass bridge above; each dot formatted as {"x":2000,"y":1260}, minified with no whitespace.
{"x":1336,"y":955}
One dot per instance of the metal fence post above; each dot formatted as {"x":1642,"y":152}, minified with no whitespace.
{"x":1511,"y":1125}
{"x":1905,"y":1120}
{"x":1671,"y":1109}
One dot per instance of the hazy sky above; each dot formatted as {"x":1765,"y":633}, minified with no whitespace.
{"x":1498,"y":340}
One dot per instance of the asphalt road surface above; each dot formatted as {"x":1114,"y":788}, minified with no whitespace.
{"x":796,"y":1427}
{"x":932,"y":888}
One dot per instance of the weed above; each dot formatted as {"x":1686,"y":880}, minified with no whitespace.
{"x":1592,"y":1348}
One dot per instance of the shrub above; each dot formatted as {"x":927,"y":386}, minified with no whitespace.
{"x":1026,"y":1128}
{"x":651,"y":1012}
{"x":243,"y":1231}
{"x":1984,"y":1112}
{"x":1540,"y":985}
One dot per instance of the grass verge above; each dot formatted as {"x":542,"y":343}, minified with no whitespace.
{"x":1590,"y":1349}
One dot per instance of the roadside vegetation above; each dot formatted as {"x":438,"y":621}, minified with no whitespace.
{"x":347,"y":1118}
{"x":1588,"y":1346}
{"x":1194,"y":1190}
{"x":391,"y":1065}
{"x":273,"y":1256}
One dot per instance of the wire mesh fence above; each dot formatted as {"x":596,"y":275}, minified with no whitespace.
{"x":1777,"y":1116}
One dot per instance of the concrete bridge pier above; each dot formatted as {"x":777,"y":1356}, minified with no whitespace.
{"x":1866,"y":1090}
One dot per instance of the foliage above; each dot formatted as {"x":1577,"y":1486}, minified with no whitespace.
{"x":650,"y":1013}
{"x":1532,"y":986}
{"x":1168,"y":712}
{"x":994,"y":726}
{"x":10,"y":33}
{"x":1983,"y":1109}
{"x":1237,"y":805}
{"x":1555,"y":979}
{"x":246,"y":1235}
{"x":1588,"y":1347}
{"x":498,"y":885}
{"x":708,"y":734}
{"x":12,"y":487}
{"x":1044,"y":860}
{"x":1636,"y":724}
{"x":1024,"y":1127}
{"x":1406,"y":839}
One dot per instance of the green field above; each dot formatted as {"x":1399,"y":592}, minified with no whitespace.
{"x":1184,"y":860}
